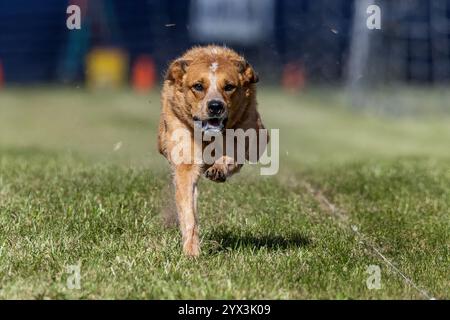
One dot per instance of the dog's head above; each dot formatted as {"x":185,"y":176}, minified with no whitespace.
{"x":216,"y":84}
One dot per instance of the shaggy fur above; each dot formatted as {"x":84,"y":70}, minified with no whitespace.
{"x":202,"y":75}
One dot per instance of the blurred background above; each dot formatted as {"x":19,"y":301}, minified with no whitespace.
{"x":314,"y":58}
{"x":294,"y":44}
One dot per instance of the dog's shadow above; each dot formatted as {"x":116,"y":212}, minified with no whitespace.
{"x":226,"y":240}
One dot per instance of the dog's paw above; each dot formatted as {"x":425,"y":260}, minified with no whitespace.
{"x":216,"y":173}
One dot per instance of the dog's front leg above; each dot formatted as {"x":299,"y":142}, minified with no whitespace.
{"x":222,"y":169}
{"x":185,"y":181}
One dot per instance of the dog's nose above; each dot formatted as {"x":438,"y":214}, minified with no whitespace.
{"x":215,"y":107}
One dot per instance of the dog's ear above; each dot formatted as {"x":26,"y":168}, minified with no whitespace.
{"x":246,"y":70}
{"x":176,"y":70}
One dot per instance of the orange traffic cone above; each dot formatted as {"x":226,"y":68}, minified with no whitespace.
{"x":144,"y":74}
{"x":293,"y":78}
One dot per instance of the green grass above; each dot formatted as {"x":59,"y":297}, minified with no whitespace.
{"x":69,"y":195}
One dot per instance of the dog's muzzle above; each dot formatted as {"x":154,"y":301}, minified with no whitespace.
{"x":211,"y":125}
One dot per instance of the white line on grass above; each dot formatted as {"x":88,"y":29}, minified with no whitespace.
{"x":343,"y":219}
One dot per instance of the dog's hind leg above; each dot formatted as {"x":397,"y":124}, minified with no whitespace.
{"x":185,"y":181}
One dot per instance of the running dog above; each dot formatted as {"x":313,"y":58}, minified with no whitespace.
{"x":209,"y":90}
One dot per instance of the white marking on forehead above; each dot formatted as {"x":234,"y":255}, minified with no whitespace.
{"x":213,"y":81}
{"x":212,"y":91}
{"x":214,"y":51}
{"x":214,"y":67}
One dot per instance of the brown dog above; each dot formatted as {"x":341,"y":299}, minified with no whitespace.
{"x":211,"y":89}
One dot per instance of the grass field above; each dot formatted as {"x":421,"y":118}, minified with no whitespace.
{"x":81,"y":183}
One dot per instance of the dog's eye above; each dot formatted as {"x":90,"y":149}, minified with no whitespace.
{"x":229,"y":87}
{"x":198,"y":87}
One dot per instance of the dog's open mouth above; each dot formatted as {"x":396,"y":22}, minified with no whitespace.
{"x":211,"y":125}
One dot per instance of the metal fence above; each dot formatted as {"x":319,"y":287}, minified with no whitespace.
{"x":320,"y":41}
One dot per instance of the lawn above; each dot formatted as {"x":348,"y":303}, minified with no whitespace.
{"x":82,"y":184}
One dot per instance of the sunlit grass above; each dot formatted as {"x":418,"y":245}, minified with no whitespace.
{"x":81,"y":182}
